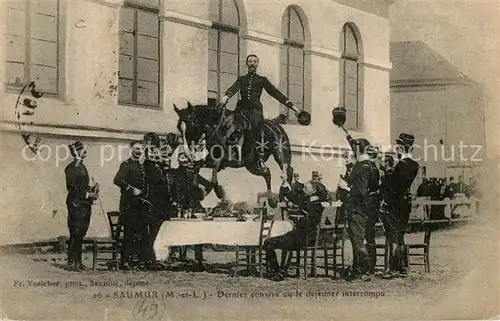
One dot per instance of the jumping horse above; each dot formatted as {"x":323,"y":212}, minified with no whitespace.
{"x":212,"y":123}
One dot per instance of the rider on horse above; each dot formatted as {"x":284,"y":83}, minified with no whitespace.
{"x":249,"y":106}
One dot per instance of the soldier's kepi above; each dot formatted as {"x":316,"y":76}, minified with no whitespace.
{"x":250,"y":107}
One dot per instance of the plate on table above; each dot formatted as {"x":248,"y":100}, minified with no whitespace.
{"x":177,"y":219}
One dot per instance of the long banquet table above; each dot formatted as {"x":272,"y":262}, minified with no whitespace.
{"x":193,"y":232}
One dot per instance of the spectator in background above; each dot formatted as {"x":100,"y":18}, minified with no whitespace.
{"x":460,"y":186}
{"x":315,"y":176}
{"x":296,"y":185}
{"x":450,"y":188}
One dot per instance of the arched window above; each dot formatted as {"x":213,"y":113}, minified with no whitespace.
{"x":223,"y":49}
{"x":292,"y":61}
{"x":349,"y":76}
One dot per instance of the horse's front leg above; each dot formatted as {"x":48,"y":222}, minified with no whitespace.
{"x":219,"y":191}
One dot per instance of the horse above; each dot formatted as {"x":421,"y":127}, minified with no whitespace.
{"x":211,"y":123}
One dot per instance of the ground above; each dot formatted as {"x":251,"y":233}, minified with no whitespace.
{"x":463,"y":283}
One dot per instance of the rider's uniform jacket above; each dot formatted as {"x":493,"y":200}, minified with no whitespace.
{"x":251,"y":86}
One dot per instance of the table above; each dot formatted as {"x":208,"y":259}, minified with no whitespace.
{"x":192,"y":232}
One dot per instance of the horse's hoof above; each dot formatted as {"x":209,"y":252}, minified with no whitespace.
{"x":219,"y":192}
{"x":271,"y":199}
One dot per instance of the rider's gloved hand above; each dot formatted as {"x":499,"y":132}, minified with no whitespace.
{"x":290,"y":105}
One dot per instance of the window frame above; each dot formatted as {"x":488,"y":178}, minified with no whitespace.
{"x":345,"y":57}
{"x":156,"y":10}
{"x":288,"y":44}
{"x":28,"y":7}
{"x":221,"y":27}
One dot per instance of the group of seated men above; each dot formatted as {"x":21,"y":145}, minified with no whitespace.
{"x":374,"y":189}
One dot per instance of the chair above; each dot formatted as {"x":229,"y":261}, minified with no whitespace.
{"x":253,"y":256}
{"x":109,"y":247}
{"x":324,"y":244}
{"x":381,"y":249}
{"x":420,"y":250}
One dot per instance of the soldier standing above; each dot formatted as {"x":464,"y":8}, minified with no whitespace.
{"x":249,"y":106}
{"x":402,"y":178}
{"x":373,"y":204}
{"x":357,"y":212}
{"x":79,"y":203}
{"x":131,"y":179}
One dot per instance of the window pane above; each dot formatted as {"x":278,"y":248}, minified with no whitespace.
{"x":296,"y":29}
{"x":212,"y":39}
{"x":44,"y":53}
{"x":213,"y":10}
{"x":43,"y":27}
{"x":47,"y":7}
{"x":147,"y":23}
{"x":351,"y":120}
{"x":147,"y":69}
{"x":351,"y":45}
{"x":351,"y":102}
{"x":351,"y":85}
{"x":296,"y":57}
{"x":127,"y":19}
{"x":126,"y":43}
{"x":147,"y":47}
{"x":212,"y":60}
{"x":45,"y":77}
{"x":351,"y":68}
{"x":284,"y":55}
{"x":229,"y":42}
{"x":126,"y":67}
{"x":225,"y":82}
{"x":212,"y":81}
{"x":296,"y":76}
{"x":16,"y":48}
{"x":147,"y":93}
{"x":125,"y":90}
{"x":16,"y":22}
{"x":229,"y":63}
{"x":15,"y":73}
{"x":296,"y":94}
{"x":283,"y":79}
{"x":230,"y":13}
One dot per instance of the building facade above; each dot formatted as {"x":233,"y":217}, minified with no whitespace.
{"x":111,"y":71}
{"x":441,"y":106}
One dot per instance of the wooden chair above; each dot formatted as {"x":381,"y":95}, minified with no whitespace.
{"x":381,"y":249}
{"x":107,"y":250}
{"x":421,"y":250}
{"x":253,"y":257}
{"x":324,"y":244}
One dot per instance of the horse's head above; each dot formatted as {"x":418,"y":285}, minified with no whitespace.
{"x":194,"y":121}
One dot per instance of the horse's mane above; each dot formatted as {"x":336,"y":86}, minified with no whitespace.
{"x":209,"y":115}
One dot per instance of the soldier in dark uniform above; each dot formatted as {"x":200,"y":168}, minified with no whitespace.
{"x":296,"y":185}
{"x":373,"y":204}
{"x":131,"y":179}
{"x":387,"y":211}
{"x":249,"y":106}
{"x":403,"y":176}
{"x":152,"y":218}
{"x":309,"y":201}
{"x":357,"y":212}
{"x":79,"y":203}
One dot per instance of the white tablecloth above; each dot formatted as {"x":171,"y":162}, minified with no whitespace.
{"x":175,"y":233}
